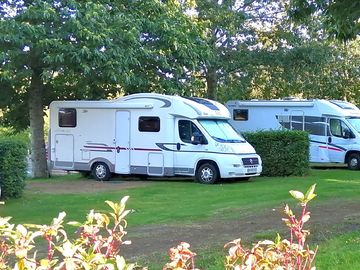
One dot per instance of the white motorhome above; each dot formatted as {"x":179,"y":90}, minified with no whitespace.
{"x":333,"y":126}
{"x":149,"y":134}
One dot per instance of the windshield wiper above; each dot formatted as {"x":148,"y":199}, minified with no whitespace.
{"x":227,"y":140}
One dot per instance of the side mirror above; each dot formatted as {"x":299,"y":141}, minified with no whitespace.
{"x":348,"y":134}
{"x":197,"y":138}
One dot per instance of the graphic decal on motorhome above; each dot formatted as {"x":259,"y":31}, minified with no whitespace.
{"x":167,"y":103}
{"x":329,"y":146}
{"x":178,"y":149}
{"x":98,"y":147}
{"x":118,"y":148}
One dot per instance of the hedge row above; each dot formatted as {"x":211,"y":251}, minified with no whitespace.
{"x":283,"y":152}
{"x":13,"y":164}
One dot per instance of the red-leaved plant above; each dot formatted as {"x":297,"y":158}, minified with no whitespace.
{"x":280,"y":254}
{"x":100,"y":237}
{"x":181,"y":258}
{"x":97,"y":245}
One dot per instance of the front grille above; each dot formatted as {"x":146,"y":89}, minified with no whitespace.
{"x":250,"y":161}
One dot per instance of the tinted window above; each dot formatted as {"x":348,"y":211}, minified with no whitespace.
{"x":339,"y":129}
{"x":187,"y":130}
{"x":240,"y":115}
{"x":149,"y":124}
{"x":67,"y":117}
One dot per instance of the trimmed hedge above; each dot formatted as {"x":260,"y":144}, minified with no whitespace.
{"x":13,"y":154}
{"x":283,"y":153}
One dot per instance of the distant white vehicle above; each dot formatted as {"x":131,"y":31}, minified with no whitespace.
{"x":149,"y":134}
{"x":334,"y":126}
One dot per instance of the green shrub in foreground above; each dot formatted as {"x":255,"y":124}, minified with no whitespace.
{"x":283,"y":153}
{"x":13,"y":154}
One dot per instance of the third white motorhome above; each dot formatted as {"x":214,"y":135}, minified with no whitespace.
{"x":149,"y":134}
{"x":334,"y":126}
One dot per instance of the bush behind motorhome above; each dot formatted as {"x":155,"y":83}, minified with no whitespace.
{"x":282,"y":152}
{"x":13,"y":154}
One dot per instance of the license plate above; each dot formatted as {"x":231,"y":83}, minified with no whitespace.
{"x":251,"y":170}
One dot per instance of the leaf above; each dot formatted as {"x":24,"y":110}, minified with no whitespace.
{"x":21,"y":229}
{"x":305,"y":218}
{"x":277,"y":239}
{"x":297,"y":195}
{"x":310,"y":193}
{"x":112,"y":205}
{"x":124,"y":200}
{"x":120,"y":262}
{"x":74,"y":223}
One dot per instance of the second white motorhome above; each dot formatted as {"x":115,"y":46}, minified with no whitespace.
{"x":149,"y":134}
{"x":334,"y":126}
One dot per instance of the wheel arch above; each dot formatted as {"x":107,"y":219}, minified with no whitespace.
{"x":348,"y":153}
{"x":203,"y":161}
{"x":107,"y":162}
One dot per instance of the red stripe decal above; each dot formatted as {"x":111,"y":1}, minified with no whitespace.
{"x":122,"y":148}
{"x":146,"y":149}
{"x":331,"y":148}
{"x":100,"y":147}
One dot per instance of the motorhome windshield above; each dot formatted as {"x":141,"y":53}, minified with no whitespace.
{"x":355,"y":122}
{"x":221,"y":131}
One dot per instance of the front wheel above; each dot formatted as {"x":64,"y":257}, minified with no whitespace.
{"x":354,"y":162}
{"x":207,"y":173}
{"x":101,"y":172}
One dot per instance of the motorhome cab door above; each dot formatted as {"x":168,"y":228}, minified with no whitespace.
{"x":187,"y":152}
{"x":339,"y":139}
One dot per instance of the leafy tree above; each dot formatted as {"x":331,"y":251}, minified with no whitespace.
{"x":230,"y":34}
{"x":87,"y":49}
{"x":341,"y":17}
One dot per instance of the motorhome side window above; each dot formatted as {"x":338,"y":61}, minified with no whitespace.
{"x":67,"y":117}
{"x":339,"y":129}
{"x":240,"y":115}
{"x":186,"y":130}
{"x":149,"y":124}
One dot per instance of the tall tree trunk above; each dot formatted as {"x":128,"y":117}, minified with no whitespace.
{"x":211,"y":83}
{"x":38,"y":155}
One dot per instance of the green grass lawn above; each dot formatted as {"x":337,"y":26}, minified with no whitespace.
{"x":166,"y":201}
{"x":185,"y":201}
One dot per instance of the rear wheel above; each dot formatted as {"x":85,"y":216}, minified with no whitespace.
{"x":354,"y":161}
{"x":207,"y":173}
{"x":101,"y":172}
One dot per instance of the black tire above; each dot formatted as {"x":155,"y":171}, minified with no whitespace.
{"x":101,"y":172}
{"x":207,"y":173}
{"x":353,"y":161}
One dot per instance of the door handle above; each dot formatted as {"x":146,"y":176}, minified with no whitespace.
{"x":329,"y":140}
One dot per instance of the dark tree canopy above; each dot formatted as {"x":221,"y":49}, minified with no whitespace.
{"x":341,"y":18}
{"x":71,"y":49}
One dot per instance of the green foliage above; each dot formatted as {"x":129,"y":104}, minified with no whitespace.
{"x":52,"y":50}
{"x":340,"y":18}
{"x":99,"y":239}
{"x":97,"y":245}
{"x":283,"y":152}
{"x":13,"y":164}
{"x":93,"y":50}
